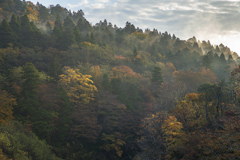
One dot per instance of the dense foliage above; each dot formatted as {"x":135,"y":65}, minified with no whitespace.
{"x":71,"y":90}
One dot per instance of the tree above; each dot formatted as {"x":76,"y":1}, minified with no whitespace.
{"x":157,"y":75}
{"x":29,"y":33}
{"x":223,"y":59}
{"x":67,"y":38}
{"x":68,"y":22}
{"x":77,"y":34}
{"x":193,"y":79}
{"x":58,"y":28}
{"x":79,"y":87}
{"x":112,"y":143}
{"x":7,"y":35}
{"x":92,"y":39}
{"x":14,"y":24}
{"x":123,"y":73}
{"x":230,"y":59}
{"x":30,"y":99}
{"x":191,"y":112}
{"x":32,"y":11}
{"x":29,"y":109}
{"x":152,"y":140}
{"x":6,"y":106}
{"x":43,"y":12}
{"x":135,"y":52}
{"x":173,"y":135}
{"x":207,"y":60}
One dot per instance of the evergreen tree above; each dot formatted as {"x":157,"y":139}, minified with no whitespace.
{"x":29,"y":108}
{"x":7,"y":35}
{"x":26,"y":32}
{"x":157,"y":75}
{"x":135,"y":52}
{"x":30,"y":99}
{"x":67,"y":39}
{"x":36,"y":35}
{"x":87,"y":38}
{"x":77,"y":34}
{"x":83,"y":25}
{"x":222,"y":58}
{"x":57,"y":26}
{"x":68,"y":22}
{"x":207,"y":60}
{"x":14,"y":24}
{"x":43,"y":12}
{"x":64,"y":121}
{"x":92,"y":39}
{"x":80,"y":24}
{"x":230,"y":59}
{"x":58,"y":32}
{"x":55,"y":67}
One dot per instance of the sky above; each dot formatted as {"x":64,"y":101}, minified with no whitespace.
{"x":216,"y":21}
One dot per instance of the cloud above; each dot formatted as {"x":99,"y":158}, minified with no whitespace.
{"x":102,"y":1}
{"x":80,"y":4}
{"x":206,"y":19}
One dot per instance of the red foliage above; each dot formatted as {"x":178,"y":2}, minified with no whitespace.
{"x":120,"y":57}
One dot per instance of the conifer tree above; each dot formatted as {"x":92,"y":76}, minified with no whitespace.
{"x":223,"y":59}
{"x":26,"y":34}
{"x":92,"y":39}
{"x":230,"y":59}
{"x":14,"y":24}
{"x":80,"y":24}
{"x":77,"y":34}
{"x":157,"y":75}
{"x":29,"y":109}
{"x":7,"y":35}
{"x":57,"y":26}
{"x":68,"y":22}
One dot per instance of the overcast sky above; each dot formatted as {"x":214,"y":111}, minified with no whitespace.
{"x":217,"y":21}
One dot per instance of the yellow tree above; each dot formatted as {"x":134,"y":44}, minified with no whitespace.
{"x":6,"y":106}
{"x":190,"y":111}
{"x":79,"y":87}
{"x":32,"y":11}
{"x":172,"y":134}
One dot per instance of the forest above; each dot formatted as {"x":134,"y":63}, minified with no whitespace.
{"x":71,"y":90}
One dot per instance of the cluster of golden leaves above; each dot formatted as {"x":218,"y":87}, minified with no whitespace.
{"x":79,"y":87}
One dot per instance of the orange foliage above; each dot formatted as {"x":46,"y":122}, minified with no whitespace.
{"x":119,"y":57}
{"x":124,"y":72}
{"x":194,"y":79}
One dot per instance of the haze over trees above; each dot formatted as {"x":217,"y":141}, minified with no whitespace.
{"x":72,"y":90}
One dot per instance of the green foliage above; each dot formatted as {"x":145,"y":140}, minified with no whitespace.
{"x":64,"y":119}
{"x":157,"y":75}
{"x":17,"y":142}
{"x":7,"y":35}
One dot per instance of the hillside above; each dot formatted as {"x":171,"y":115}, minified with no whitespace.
{"x":72,"y":90}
